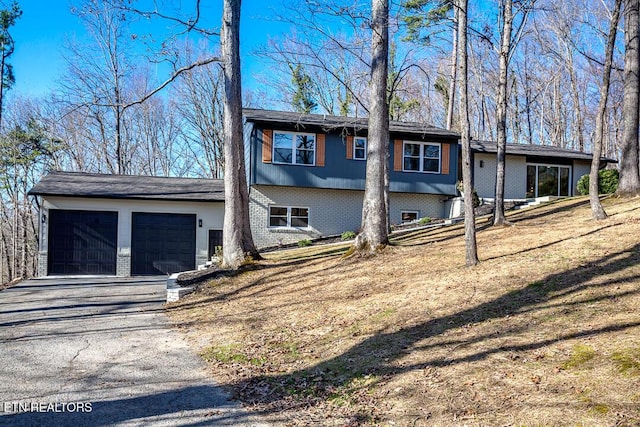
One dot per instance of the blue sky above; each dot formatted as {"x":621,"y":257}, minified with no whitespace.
{"x":44,"y":25}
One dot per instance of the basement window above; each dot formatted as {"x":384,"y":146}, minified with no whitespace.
{"x":288,"y":217}
{"x":408,"y":216}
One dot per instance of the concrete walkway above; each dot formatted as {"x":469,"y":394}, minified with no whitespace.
{"x":100,"y":352}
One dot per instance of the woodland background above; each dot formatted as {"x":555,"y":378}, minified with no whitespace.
{"x":131,"y":102}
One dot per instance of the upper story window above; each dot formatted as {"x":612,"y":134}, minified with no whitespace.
{"x":421,"y":157}
{"x":294,"y":148}
{"x":360,"y":148}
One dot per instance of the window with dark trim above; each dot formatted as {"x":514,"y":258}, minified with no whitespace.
{"x":288,"y":216}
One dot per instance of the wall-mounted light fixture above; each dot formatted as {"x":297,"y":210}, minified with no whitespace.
{"x":44,"y":218}
{"x":200,"y":223}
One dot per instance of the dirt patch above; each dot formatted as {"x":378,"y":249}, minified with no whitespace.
{"x":545,"y":331}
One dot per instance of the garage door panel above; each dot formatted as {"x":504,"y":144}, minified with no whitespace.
{"x":82,"y":242}
{"x":162,"y":243}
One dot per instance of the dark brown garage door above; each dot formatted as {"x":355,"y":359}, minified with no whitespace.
{"x":162,"y":243}
{"x":82,"y":242}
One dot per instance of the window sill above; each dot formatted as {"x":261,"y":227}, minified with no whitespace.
{"x":289,"y":229}
{"x":429,"y":172}
{"x":293,"y":164}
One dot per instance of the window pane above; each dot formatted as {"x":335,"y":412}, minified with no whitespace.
{"x":278,"y":221}
{"x":564,"y":181}
{"x":282,"y":140}
{"x":411,"y":164}
{"x":531,"y":181}
{"x":305,"y":142}
{"x":360,"y":148}
{"x":412,"y":150}
{"x":276,"y":210}
{"x":409,"y":216}
{"x":305,"y":157}
{"x":282,"y":148}
{"x":282,"y":155}
{"x":431,"y":165}
{"x":432,"y":151}
{"x":299,"y":212}
{"x":299,"y":222}
{"x":547,"y":181}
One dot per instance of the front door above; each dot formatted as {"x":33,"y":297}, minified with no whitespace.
{"x":215,"y":241}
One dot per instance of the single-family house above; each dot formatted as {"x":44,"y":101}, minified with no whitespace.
{"x":306,"y":173}
{"x":306,"y":177}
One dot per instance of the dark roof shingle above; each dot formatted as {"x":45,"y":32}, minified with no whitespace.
{"x":534,"y":150}
{"x":79,"y":184}
{"x":328,"y":122}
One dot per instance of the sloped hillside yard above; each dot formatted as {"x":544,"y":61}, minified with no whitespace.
{"x":545,"y":331}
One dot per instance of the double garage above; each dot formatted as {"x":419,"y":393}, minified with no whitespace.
{"x":126,"y":225}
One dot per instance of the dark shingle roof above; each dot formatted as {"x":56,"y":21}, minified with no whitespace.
{"x":328,"y":122}
{"x":78,"y":184}
{"x":534,"y":150}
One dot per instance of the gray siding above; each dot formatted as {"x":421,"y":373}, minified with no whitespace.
{"x":516,"y":175}
{"x":580,"y":167}
{"x":347,"y":174}
{"x":515,"y":186}
{"x":331,"y":212}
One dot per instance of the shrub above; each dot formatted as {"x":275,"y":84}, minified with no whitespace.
{"x":425,"y":220}
{"x":304,"y":242}
{"x":348,"y":235}
{"x":607,"y":182}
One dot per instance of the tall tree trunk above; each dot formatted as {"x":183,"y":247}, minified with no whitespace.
{"x":505,"y":49}
{"x":578,"y":136}
{"x":597,"y":210}
{"x":463,"y":85}
{"x":629,"y":184}
{"x":237,"y":240}
{"x":375,"y":233}
{"x":5,"y":243}
{"x":454,"y":71}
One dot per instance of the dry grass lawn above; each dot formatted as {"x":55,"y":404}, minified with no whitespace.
{"x":545,"y":331}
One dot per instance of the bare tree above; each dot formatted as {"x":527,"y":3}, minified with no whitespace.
{"x":237,"y":240}
{"x":505,"y":51}
{"x":375,"y":232}
{"x":471,"y":256}
{"x":597,"y":210}
{"x":629,"y":174}
{"x":198,"y":97}
{"x":507,"y":47}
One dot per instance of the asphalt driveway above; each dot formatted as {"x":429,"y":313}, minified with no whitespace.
{"x":99,"y":352}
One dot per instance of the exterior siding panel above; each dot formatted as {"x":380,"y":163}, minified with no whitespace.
{"x":484,"y":178}
{"x":580,"y":167}
{"x":341,"y":173}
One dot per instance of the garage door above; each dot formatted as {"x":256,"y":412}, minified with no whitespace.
{"x":82,"y":242}
{"x":162,"y":243}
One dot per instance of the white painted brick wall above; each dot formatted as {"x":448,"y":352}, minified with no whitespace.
{"x":331,"y":212}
